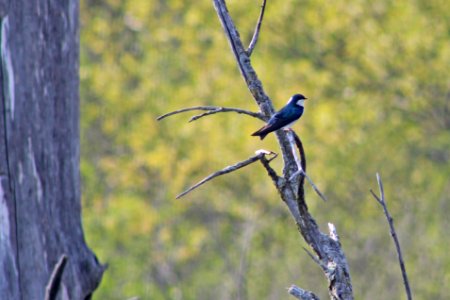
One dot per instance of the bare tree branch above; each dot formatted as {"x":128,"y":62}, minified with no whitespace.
{"x":382,"y":202}
{"x":257,"y":29}
{"x":295,"y":140}
{"x":301,"y":294}
{"x":291,"y":139}
{"x":213,"y":110}
{"x":243,"y":60}
{"x":271,"y":172}
{"x":301,"y":150}
{"x":226,"y":170}
{"x":52,"y":287}
{"x":284,"y":189}
{"x":327,"y":249}
{"x":253,"y":83}
{"x":315,"y":188}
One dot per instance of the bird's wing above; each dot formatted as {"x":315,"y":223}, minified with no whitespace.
{"x":284,"y":117}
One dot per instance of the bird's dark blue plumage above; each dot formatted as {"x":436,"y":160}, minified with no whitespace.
{"x":285,"y":117}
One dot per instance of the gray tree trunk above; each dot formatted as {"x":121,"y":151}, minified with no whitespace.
{"x":40,"y":211}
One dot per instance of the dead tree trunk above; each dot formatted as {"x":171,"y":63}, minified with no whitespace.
{"x":40,"y":211}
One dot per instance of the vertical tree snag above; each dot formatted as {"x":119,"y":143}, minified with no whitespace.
{"x":40,"y":211}
{"x":327,"y":247}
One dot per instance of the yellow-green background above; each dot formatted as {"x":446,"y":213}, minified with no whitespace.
{"x":378,"y":76}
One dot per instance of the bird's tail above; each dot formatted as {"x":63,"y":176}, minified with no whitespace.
{"x":260,"y":133}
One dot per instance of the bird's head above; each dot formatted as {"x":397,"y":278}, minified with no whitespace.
{"x":297,"y":99}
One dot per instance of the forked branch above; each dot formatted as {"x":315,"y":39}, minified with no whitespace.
{"x":381,"y":200}
{"x":210,"y":110}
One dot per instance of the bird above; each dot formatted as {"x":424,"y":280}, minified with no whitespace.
{"x":285,"y":117}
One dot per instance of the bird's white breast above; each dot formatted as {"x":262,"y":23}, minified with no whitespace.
{"x":289,"y":125}
{"x":300,"y":102}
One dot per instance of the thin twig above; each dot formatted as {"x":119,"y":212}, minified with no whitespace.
{"x":252,"y":44}
{"x":382,"y":202}
{"x":213,"y":110}
{"x":54,"y":282}
{"x":225,"y":170}
{"x":315,"y":188}
{"x":301,"y":294}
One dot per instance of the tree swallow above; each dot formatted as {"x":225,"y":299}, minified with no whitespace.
{"x":285,"y":117}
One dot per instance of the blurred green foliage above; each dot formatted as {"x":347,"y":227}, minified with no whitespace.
{"x":378,"y":76}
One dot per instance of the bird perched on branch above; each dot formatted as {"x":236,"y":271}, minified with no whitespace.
{"x":285,"y":117}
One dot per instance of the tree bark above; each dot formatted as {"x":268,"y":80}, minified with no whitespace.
{"x":40,"y":211}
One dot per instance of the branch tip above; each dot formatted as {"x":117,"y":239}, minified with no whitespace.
{"x":380,"y":185}
{"x":225,"y":170}
{"x":255,"y":37}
